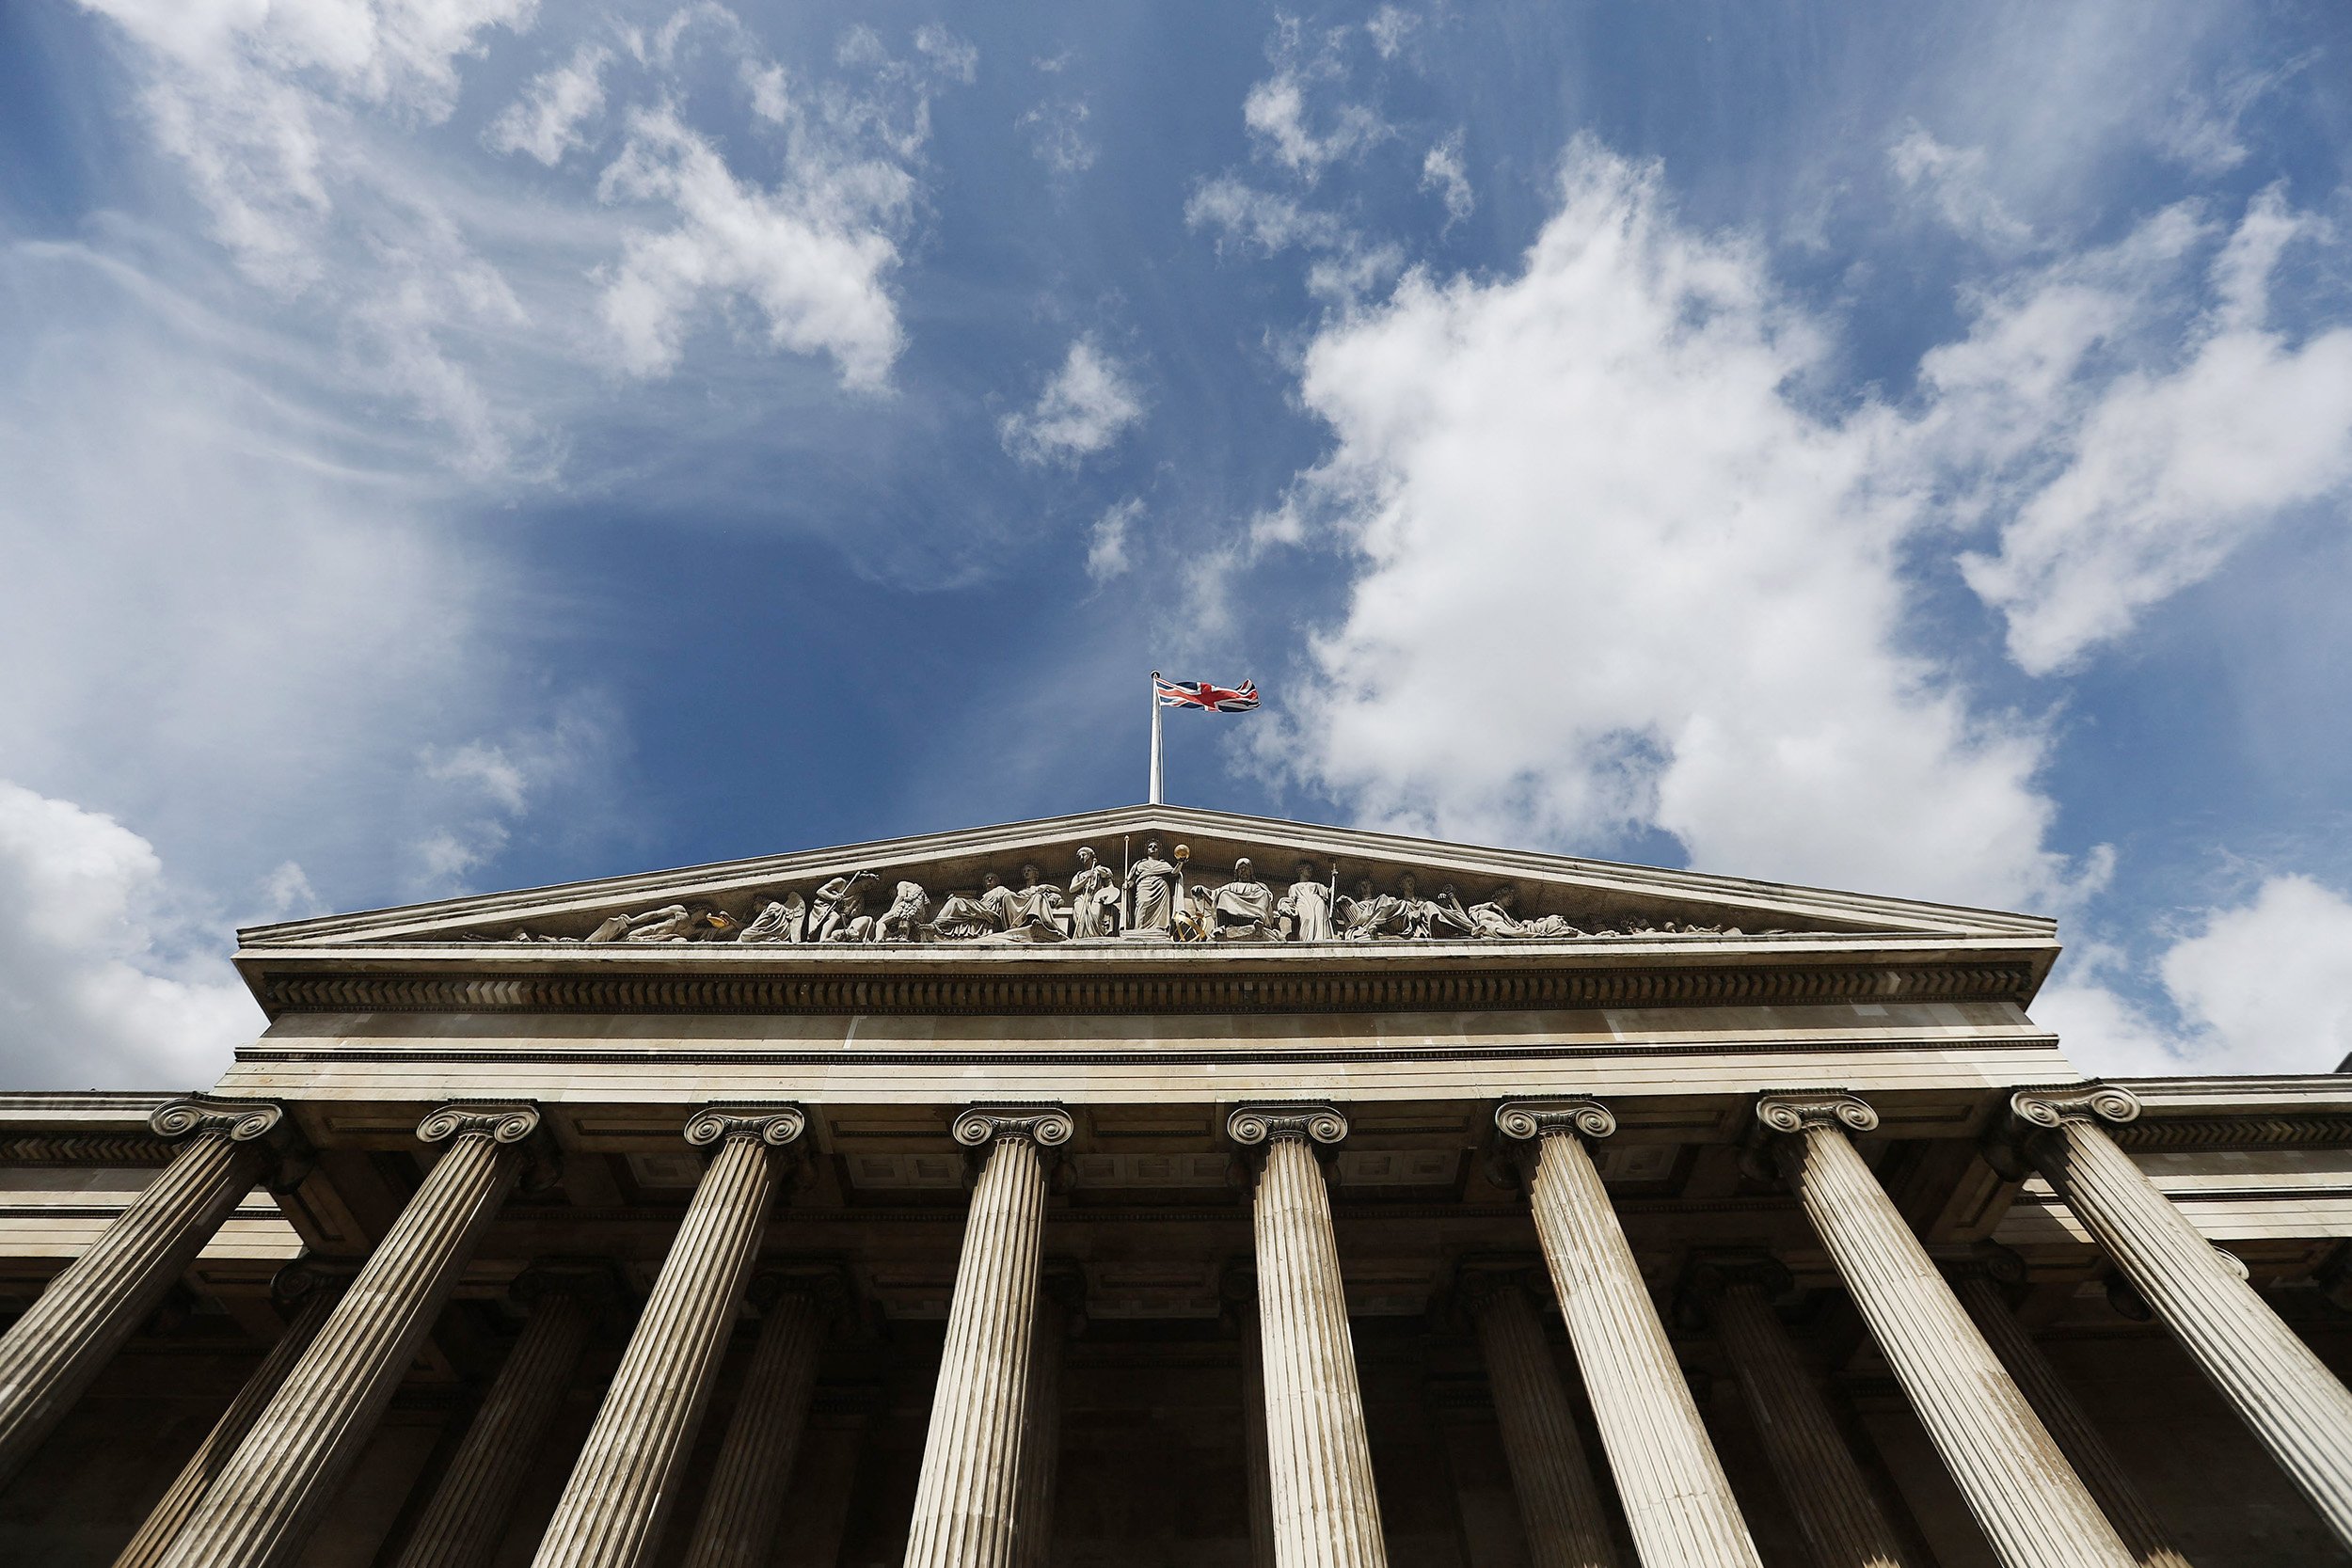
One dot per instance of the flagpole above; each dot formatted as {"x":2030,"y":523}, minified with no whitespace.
{"x":1155,"y":737}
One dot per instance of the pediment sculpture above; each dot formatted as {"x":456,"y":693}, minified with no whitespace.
{"x":1157,"y":898}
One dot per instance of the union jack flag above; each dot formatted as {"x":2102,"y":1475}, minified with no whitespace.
{"x":1220,"y":699}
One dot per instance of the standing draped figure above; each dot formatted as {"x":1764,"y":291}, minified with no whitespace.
{"x":1093,"y":898}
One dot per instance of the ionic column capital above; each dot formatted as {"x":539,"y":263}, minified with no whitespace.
{"x":2048,"y":1110}
{"x":238,"y":1120}
{"x":1308,"y":1122}
{"x":1525,"y":1120}
{"x":1480,"y":1282}
{"x":1790,"y":1111}
{"x":1046,"y":1126}
{"x":775,"y":1125}
{"x":1985,"y":1260}
{"x":2055,"y":1107}
{"x":295,"y":1286}
{"x":824,"y":1285}
{"x":591,"y":1282}
{"x":500,"y":1123}
{"x":1709,"y":1276}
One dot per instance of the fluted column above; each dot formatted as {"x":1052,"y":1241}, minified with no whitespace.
{"x":50,"y":1355}
{"x":745,"y":1501}
{"x":623,"y":1485}
{"x":2118,"y":1498}
{"x":1238,"y":1287}
{"x":1677,"y":1502}
{"x":2282,"y":1391}
{"x":461,"y":1526}
{"x":1060,"y":1311}
{"x":266,"y":1500}
{"x":967,"y":1503}
{"x":311,"y":1290}
{"x":1559,"y":1505}
{"x":1326,"y":1512}
{"x":2025,"y":1497}
{"x":1832,"y":1503}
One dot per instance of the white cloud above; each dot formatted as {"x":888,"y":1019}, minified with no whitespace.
{"x":812,"y":254}
{"x":546,"y":121}
{"x":1286,"y":121}
{"x":1954,"y":181}
{"x":2262,"y":987}
{"x":2115,"y":486}
{"x":1390,"y":27}
{"x":1107,"y":542}
{"x":2271,"y":980}
{"x":1091,"y":401}
{"x":950,"y":56}
{"x":1442,"y":171}
{"x":104,"y":979}
{"x":1345,"y":263}
{"x":1613,"y":578}
{"x":1057,"y":134}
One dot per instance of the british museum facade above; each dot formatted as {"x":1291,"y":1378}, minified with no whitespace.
{"x":1157,"y":1186}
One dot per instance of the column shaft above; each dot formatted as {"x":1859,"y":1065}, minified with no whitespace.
{"x":1325,"y":1509}
{"x":968,"y":1502}
{"x":2297,"y":1408}
{"x":1254,"y":1437}
{"x":188,"y":1489}
{"x":50,"y":1355}
{"x":625,"y":1483}
{"x":1825,"y":1488}
{"x":2111,"y":1487}
{"x":461,"y":1527}
{"x":2017,"y":1485}
{"x":1677,"y":1502}
{"x":1566,"y":1524}
{"x":265,"y":1503}
{"x":745,"y":1502}
{"x":1040,"y":1444}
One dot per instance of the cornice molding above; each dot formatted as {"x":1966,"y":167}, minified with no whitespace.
{"x":1213,"y":989}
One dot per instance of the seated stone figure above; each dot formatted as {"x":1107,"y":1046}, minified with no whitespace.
{"x":1243,"y":909}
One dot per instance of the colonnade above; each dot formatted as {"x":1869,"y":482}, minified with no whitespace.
{"x":2033,"y":1473}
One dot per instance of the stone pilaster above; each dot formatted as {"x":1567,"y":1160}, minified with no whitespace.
{"x":1825,"y":1488}
{"x":1326,"y":1511}
{"x":310,"y":1291}
{"x":265,"y":1503}
{"x":1677,"y":1503}
{"x":50,"y":1355}
{"x":1566,"y":1524}
{"x":460,"y":1528}
{"x":967,"y":1504}
{"x":1061,"y":1312}
{"x":745,"y":1501}
{"x":2297,"y":1408}
{"x":2025,"y":1497}
{"x":1979,"y":1283}
{"x":623,"y":1485}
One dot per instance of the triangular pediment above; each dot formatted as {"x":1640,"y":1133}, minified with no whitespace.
{"x":1373,"y":892}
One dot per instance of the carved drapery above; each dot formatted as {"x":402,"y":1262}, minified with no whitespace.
{"x":623,"y":1484}
{"x":1326,"y":1511}
{"x":2025,"y":1497}
{"x":268,"y":1499}
{"x":2284,"y":1393}
{"x":1677,"y":1501}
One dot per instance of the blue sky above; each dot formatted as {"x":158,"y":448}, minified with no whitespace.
{"x":472,"y":445}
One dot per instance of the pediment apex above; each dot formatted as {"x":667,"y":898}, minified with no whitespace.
{"x":1507,"y":892}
